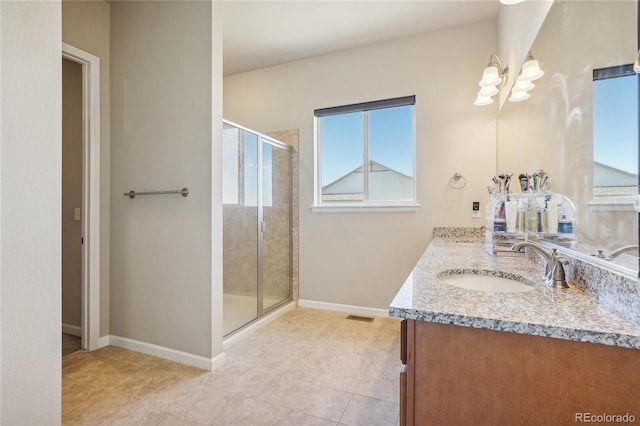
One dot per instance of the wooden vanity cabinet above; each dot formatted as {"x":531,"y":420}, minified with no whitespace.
{"x":453,"y":375}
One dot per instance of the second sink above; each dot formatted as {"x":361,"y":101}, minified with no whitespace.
{"x":486,"y":280}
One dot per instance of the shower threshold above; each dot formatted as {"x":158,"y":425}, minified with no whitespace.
{"x":240,"y":333}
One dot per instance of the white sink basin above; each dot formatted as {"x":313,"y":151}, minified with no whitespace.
{"x":493,"y":281}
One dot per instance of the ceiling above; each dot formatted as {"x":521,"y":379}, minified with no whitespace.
{"x":263,"y":33}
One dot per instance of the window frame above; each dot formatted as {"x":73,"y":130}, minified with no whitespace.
{"x":365,"y":204}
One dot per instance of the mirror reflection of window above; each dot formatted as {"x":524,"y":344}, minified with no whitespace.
{"x":615,"y":132}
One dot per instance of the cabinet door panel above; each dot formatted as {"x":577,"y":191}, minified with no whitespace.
{"x":403,"y":395}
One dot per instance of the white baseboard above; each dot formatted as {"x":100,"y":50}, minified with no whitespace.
{"x":349,"y":309}
{"x":218,"y":361}
{"x":241,"y":334}
{"x":168,"y":353}
{"x":74,"y":330}
{"x":103,"y":341}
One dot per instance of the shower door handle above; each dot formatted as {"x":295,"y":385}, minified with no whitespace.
{"x":263,"y":226}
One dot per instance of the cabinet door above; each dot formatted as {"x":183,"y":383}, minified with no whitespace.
{"x":403,"y":395}
{"x":407,"y":371}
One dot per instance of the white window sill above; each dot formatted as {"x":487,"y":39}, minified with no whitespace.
{"x":361,"y":208}
{"x":612,"y":204}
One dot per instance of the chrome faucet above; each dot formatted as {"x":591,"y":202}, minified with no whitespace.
{"x":621,"y":250}
{"x":554,"y":270}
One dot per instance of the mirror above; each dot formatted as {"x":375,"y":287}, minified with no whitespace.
{"x":554,"y":129}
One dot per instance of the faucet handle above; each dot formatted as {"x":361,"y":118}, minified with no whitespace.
{"x":556,"y":257}
{"x":557,"y":276}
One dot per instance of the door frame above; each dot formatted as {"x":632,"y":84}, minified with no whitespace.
{"x":90,"y":193}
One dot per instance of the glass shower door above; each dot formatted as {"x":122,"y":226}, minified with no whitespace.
{"x":276,"y":218}
{"x":240,"y":223}
{"x":257,"y":225}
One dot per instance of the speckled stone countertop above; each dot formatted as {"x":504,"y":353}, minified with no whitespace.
{"x":559,"y":313}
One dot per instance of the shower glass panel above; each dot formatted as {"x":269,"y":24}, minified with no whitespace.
{"x":240,"y":223}
{"x":276,"y":205}
{"x":257,"y":225}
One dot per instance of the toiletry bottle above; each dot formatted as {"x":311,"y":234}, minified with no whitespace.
{"x":552,"y":217}
{"x":532,"y":215}
{"x":520,"y":225}
{"x":511,"y":213}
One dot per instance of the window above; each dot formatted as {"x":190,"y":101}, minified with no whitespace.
{"x":615,"y":132}
{"x":240,"y":168}
{"x":365,"y":154}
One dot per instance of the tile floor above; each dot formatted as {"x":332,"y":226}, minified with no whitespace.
{"x":307,"y":367}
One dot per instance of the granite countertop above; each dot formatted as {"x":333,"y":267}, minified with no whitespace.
{"x":551,"y":312}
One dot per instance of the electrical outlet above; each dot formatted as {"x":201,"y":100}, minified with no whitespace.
{"x":76,"y":213}
{"x":475,"y":209}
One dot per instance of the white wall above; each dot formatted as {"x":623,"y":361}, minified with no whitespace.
{"x":363,"y":258}
{"x":85,"y":25}
{"x":161,"y":136}
{"x":30,"y":245}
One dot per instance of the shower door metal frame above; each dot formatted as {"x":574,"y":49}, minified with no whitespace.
{"x":262,"y":225}
{"x":264,"y":139}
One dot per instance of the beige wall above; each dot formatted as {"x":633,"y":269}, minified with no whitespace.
{"x":71,"y":192}
{"x":30,"y":186}
{"x":161,"y":251}
{"x":553,"y":129}
{"x":85,"y":25}
{"x":363,"y":258}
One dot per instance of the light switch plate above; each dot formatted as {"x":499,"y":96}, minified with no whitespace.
{"x":76,"y":213}
{"x":475,"y":209}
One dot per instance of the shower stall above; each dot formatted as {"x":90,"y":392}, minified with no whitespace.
{"x":256,"y":225}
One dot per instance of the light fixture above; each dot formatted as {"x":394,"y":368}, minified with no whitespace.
{"x":636,"y":64}
{"x":509,"y":2}
{"x":492,"y":75}
{"x":530,"y":71}
{"x":518,"y":95}
{"x":488,"y":91}
{"x":482,"y":100}
{"x":523,"y":84}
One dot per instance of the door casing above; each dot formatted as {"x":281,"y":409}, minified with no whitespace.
{"x":90,"y":193}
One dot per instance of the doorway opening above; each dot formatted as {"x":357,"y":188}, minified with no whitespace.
{"x":84,"y":207}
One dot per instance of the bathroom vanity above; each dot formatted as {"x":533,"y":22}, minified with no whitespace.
{"x":540,"y":356}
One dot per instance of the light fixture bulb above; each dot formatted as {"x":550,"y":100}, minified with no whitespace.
{"x":531,"y":70}
{"x":523,"y":84}
{"x":488,"y":91}
{"x":517,"y":96}
{"x":490,"y":76}
{"x":482,"y":100}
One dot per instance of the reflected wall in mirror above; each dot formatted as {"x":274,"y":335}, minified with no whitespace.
{"x":554,"y":129}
